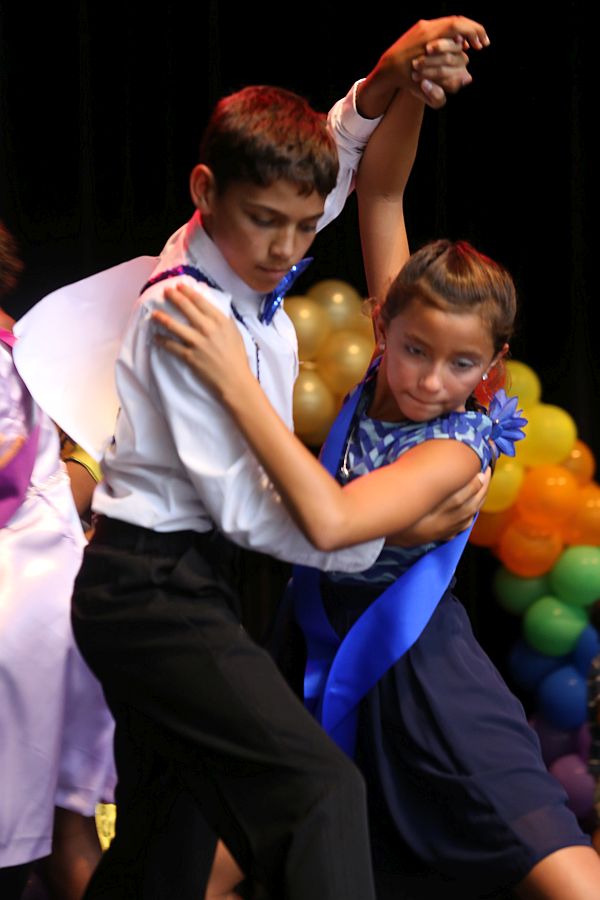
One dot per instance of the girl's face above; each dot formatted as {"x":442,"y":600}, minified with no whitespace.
{"x":433,"y":361}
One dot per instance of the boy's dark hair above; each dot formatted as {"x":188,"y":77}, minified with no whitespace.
{"x":262,"y":134}
{"x":454,"y":275}
{"x":10,"y":263}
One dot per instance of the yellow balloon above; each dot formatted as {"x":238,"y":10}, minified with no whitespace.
{"x":504,"y":486}
{"x":340,"y":300}
{"x":314,"y":406}
{"x":343,"y":360}
{"x":311,"y":323}
{"x":522,"y":382}
{"x":550,"y":435}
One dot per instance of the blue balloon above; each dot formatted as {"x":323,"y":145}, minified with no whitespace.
{"x":586,"y":648}
{"x":562,"y":698}
{"x":527,"y":666}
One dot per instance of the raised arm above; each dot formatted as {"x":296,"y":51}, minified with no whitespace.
{"x":427,"y":60}
{"x":330,"y":516}
{"x":382,"y":178}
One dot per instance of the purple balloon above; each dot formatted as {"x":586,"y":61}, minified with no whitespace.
{"x":554,"y":742}
{"x":583,"y":742}
{"x":572,"y":773}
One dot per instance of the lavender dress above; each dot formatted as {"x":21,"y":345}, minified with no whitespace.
{"x":55,"y":728}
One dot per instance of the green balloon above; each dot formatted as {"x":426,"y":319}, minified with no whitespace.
{"x":553,"y":627}
{"x":514,"y":593}
{"x":575,"y":577}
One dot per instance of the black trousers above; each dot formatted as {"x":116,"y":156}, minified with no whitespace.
{"x":209,"y":738}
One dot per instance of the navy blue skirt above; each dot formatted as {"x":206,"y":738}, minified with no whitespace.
{"x":460,"y":799}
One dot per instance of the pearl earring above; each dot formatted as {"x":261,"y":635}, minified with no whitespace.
{"x":484,"y":377}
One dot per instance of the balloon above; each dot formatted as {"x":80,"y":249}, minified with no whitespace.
{"x":516,"y":594}
{"x":553,"y":627}
{"x":489,"y":526}
{"x":580,"y":462}
{"x":584,"y":525}
{"x":575,"y":577}
{"x":527,"y":667}
{"x":341,"y":302}
{"x":314,"y":406}
{"x":562,"y":698}
{"x":343,"y":360}
{"x":583,"y":742}
{"x":363,"y":324}
{"x":504,"y":486}
{"x":549,"y":494}
{"x":311,"y":323}
{"x":550,"y":435}
{"x":579,"y":784}
{"x":586,"y":648}
{"x":522,"y":382}
{"x":528,"y":550}
{"x":554,"y":742}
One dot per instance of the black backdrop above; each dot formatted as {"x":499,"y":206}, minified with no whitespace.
{"x":102,"y":106}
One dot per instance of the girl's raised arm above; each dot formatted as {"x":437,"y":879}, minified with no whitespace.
{"x":381,"y":181}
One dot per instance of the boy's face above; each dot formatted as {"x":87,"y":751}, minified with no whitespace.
{"x":261,"y":231}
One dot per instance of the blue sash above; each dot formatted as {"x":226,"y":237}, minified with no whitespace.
{"x":340,"y":671}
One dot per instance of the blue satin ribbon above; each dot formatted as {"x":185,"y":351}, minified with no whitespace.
{"x":271,"y":302}
{"x":183,"y":269}
{"x":340,"y":671}
{"x":274,"y":299}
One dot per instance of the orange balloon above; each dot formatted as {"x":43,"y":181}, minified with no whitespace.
{"x":584,"y":526}
{"x":548,"y":494}
{"x":529,"y":550}
{"x":580,"y":462}
{"x":489,"y":527}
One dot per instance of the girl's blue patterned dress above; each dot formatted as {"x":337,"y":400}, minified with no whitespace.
{"x":461,"y":803}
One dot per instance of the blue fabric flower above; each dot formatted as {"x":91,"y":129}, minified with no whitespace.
{"x":507,"y":422}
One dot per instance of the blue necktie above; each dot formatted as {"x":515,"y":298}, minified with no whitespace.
{"x":274,"y":299}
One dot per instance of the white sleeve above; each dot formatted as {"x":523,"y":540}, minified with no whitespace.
{"x":351,"y":132}
{"x":227,"y":477}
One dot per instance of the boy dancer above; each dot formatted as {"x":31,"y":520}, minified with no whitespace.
{"x":205,"y":723}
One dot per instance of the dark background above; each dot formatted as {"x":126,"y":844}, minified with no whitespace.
{"x":102,"y":107}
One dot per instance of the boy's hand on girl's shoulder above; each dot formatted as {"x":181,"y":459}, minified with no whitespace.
{"x":451,"y":517}
{"x":429,"y":60}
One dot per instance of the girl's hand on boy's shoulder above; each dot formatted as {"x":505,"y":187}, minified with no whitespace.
{"x":209,"y":342}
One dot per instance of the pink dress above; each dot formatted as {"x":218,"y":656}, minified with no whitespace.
{"x":55,"y":729}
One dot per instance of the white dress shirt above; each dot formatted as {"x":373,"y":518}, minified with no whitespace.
{"x":177,"y":460}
